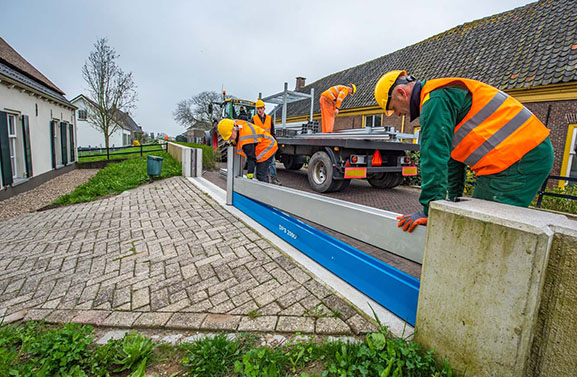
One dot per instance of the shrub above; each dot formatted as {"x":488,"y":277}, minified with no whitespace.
{"x":559,"y":204}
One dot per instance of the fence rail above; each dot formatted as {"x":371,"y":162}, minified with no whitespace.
{"x":82,"y":152}
{"x":543,"y":193}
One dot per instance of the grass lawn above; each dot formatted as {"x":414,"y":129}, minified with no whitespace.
{"x":119,"y":177}
{"x":37,"y":349}
{"x":118,"y":154}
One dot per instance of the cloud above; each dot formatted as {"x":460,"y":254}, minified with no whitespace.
{"x":177,"y":49}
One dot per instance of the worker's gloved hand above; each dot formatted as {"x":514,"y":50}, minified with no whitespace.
{"x":250,"y":176}
{"x":409,"y":222}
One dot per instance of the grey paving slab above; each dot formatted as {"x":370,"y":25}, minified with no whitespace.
{"x":164,"y":255}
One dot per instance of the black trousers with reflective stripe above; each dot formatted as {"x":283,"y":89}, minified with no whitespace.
{"x":262,"y":169}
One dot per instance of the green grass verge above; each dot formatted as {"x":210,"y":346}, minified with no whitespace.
{"x":36,"y":349}
{"x":116,"y":155}
{"x":119,"y":177}
{"x":208,"y":155}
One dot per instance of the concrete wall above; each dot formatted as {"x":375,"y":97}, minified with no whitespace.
{"x":190,"y":158}
{"x":15,"y":100}
{"x":554,"y":350}
{"x":484,"y":275}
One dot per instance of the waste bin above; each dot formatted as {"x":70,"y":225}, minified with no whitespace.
{"x":153,"y":166}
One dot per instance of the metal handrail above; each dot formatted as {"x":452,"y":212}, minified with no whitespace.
{"x":141,"y":151}
{"x":543,"y":193}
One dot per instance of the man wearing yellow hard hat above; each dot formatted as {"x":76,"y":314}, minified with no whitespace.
{"x":331,"y":101}
{"x":264,"y":121}
{"x":252,"y":142}
{"x":468,"y":123}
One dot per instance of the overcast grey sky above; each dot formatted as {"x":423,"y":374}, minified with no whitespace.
{"x":176,"y":49}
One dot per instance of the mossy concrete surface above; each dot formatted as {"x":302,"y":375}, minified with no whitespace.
{"x":481,"y":284}
{"x":554,"y":351}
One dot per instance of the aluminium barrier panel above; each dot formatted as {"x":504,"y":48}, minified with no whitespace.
{"x":274,"y":207}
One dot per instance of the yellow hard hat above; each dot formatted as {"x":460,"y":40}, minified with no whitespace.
{"x":383,"y":89}
{"x":225,"y":127}
{"x":354,"y":87}
{"x":259,"y":103}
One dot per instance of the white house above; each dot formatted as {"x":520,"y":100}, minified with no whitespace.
{"x":37,"y":129}
{"x":89,"y":136}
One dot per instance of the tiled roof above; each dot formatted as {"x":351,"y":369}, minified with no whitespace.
{"x":530,"y":46}
{"x":12,"y":59}
{"x":19,"y":77}
{"x":126,"y":121}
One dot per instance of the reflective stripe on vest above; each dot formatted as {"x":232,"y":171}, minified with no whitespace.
{"x":272,"y":144}
{"x":267,"y":122}
{"x":266,"y":145}
{"x":498,"y":130}
{"x":334,"y":91}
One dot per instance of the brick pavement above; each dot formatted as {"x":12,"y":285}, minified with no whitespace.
{"x":164,"y":255}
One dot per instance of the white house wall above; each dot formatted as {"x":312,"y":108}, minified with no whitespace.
{"x":88,"y":136}
{"x":14,"y":100}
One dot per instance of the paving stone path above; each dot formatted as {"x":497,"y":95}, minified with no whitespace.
{"x":164,"y":255}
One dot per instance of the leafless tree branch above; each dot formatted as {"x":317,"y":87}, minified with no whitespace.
{"x":110,"y":89}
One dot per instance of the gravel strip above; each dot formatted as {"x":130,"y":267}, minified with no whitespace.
{"x":44,"y":194}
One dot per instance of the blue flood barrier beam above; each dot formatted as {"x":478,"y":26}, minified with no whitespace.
{"x":390,"y":287}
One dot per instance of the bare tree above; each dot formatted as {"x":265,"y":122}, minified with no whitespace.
{"x":195,"y":110}
{"x":110,"y":90}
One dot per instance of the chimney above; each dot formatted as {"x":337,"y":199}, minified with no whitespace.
{"x":300,"y":83}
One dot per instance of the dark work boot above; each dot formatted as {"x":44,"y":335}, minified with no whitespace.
{"x":275,"y":181}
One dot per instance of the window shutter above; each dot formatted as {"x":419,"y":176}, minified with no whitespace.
{"x":52,"y":146}
{"x":27,"y":148}
{"x":72,"y":149}
{"x":63,"y":143}
{"x":6,"y":167}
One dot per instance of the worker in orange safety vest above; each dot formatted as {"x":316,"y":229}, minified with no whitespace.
{"x":264,"y":121}
{"x":468,"y":123}
{"x":252,"y":142}
{"x":331,"y":101}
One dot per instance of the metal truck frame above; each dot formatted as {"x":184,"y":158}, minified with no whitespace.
{"x":374,"y":153}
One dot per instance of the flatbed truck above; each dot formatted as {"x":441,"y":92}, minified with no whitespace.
{"x":334,"y":159}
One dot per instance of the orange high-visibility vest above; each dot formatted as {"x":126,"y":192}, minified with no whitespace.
{"x":337,"y":93}
{"x":498,"y":130}
{"x":248,"y":133}
{"x":267,"y":122}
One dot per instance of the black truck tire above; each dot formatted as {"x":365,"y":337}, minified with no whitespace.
{"x":385,"y":180}
{"x":341,"y":185}
{"x":291,"y":162}
{"x":320,"y":173}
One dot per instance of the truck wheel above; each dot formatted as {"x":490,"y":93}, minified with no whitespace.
{"x":291,"y":162}
{"x":342,"y":185}
{"x":320,"y":172}
{"x":385,"y":180}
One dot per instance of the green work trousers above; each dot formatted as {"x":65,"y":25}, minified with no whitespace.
{"x":518,"y":184}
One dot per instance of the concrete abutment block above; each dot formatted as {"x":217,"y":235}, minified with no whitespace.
{"x":484,"y":275}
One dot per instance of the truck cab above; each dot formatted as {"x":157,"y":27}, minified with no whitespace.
{"x":230,"y":108}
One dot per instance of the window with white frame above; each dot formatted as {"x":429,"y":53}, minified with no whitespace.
{"x":13,"y":144}
{"x":573,"y":155}
{"x":57,"y":148}
{"x":373,"y":120}
{"x":82,"y":114}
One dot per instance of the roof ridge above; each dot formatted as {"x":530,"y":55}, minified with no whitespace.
{"x":14,"y":60}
